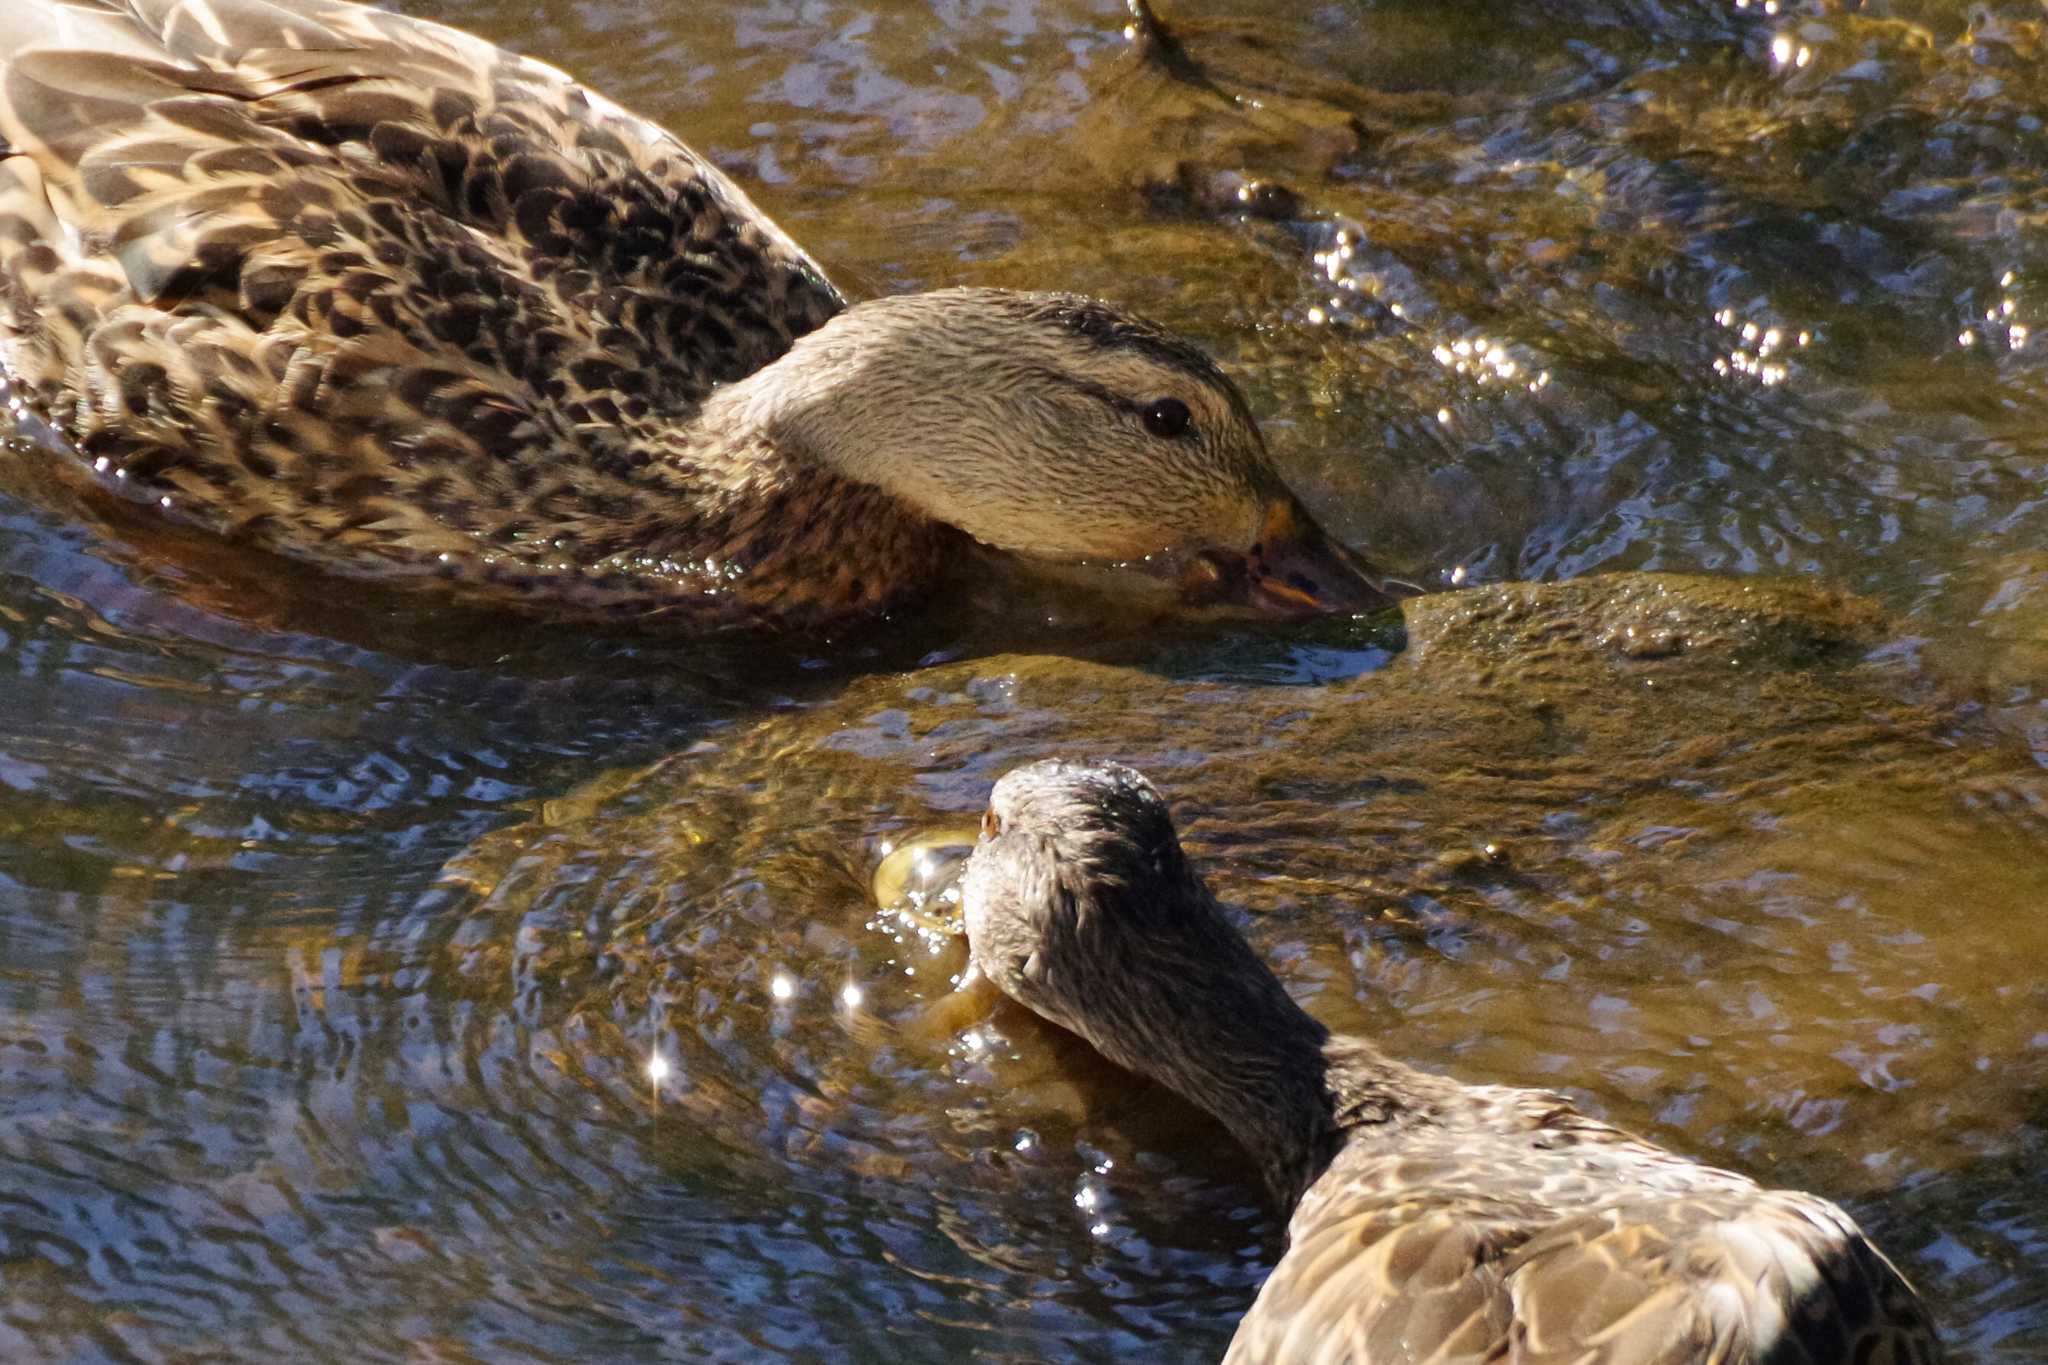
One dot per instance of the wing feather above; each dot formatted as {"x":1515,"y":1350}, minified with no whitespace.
{"x":1570,"y":1242}
{"x":418,"y":289}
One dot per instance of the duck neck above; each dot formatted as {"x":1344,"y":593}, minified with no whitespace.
{"x":880,"y":397}
{"x":818,"y":542}
{"x":1205,"y":1017}
{"x":1263,"y":1073}
{"x":733,"y":506}
{"x":830,"y":406}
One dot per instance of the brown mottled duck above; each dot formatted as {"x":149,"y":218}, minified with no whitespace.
{"x":1432,"y":1220}
{"x":369,"y":292}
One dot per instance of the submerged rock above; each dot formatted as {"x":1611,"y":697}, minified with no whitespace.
{"x":1634,"y":833}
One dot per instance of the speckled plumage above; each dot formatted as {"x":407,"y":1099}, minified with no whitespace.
{"x":1432,"y":1220}
{"x":373,"y":293}
{"x":371,"y":290}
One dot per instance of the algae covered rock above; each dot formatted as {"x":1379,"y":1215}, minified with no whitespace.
{"x":1588,"y":834}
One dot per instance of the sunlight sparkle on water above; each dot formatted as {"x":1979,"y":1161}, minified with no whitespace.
{"x":1787,"y":52}
{"x":783,"y":986}
{"x":1758,"y":343}
{"x":1482,"y":359}
{"x":850,"y":996}
{"x":1998,"y":318}
{"x":657,"y":1068}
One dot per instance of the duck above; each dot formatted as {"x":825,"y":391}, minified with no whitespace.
{"x":1431,"y":1220}
{"x":369,"y":292}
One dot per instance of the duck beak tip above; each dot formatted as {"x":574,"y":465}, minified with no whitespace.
{"x":1297,"y":568}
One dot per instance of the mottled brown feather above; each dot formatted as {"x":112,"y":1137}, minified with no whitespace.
{"x":374,"y":292}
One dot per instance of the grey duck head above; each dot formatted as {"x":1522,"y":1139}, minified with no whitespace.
{"x":1081,"y":906}
{"x":1057,"y":428}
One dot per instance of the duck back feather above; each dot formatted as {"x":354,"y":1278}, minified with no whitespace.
{"x":1503,"y":1220}
{"x":363,"y":288}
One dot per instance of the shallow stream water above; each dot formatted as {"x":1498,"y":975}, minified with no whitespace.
{"x":1690,"y":342}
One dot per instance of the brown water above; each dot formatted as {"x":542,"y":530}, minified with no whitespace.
{"x":336,"y":933}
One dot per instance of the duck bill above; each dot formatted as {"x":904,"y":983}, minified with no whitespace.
{"x":1297,"y":569}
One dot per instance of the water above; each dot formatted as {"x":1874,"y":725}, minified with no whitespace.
{"x":337,"y":931}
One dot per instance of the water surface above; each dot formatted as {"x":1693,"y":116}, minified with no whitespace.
{"x":337,"y":930}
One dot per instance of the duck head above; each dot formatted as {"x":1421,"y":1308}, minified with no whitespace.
{"x":1060,"y":429}
{"x":1077,"y":890}
{"x":1072,"y":862}
{"x":1081,"y":906}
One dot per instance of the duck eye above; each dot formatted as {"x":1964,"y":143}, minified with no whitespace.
{"x":1167,"y":417}
{"x":991,"y":826}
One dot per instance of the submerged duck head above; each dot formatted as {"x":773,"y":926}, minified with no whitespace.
{"x":1081,"y":905}
{"x":1057,"y":428}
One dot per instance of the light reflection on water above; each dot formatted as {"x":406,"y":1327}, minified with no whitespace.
{"x":338,"y":936}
